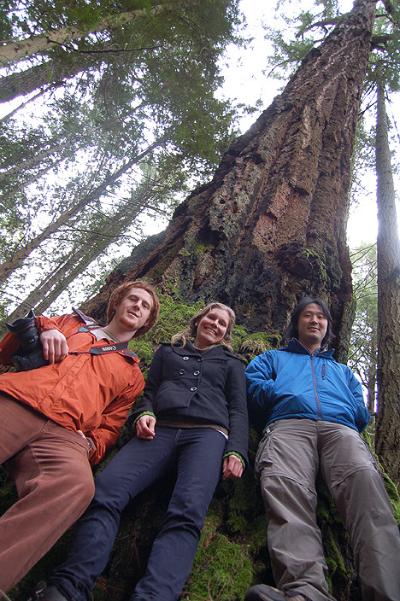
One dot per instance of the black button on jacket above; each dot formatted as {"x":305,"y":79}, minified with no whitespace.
{"x":207,"y":386}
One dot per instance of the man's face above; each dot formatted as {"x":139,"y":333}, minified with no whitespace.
{"x":134,"y":310}
{"x":312,"y":325}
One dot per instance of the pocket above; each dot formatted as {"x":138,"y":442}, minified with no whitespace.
{"x":264,"y":451}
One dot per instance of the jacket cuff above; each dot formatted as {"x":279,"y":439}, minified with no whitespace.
{"x":238,"y":455}
{"x":44,"y":323}
{"x":142,"y":414}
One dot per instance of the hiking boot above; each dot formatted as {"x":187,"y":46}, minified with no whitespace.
{"x":263,"y":592}
{"x":42,"y":592}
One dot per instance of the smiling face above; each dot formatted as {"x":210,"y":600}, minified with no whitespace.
{"x":312,"y":326}
{"x":212,"y":327}
{"x":133,"y":312}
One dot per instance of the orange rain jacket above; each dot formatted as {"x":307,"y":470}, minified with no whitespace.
{"x":91,"y":393}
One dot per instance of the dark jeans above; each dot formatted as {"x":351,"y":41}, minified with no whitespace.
{"x":197,"y":454}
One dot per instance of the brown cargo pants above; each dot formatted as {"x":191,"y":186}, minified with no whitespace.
{"x":288,"y":459}
{"x":54,"y":483}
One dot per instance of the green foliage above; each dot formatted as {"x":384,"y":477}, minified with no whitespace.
{"x":154,"y":79}
{"x":363,"y":341}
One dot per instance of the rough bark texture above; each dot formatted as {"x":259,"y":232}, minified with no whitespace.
{"x":388,"y":254}
{"x":271,"y":224}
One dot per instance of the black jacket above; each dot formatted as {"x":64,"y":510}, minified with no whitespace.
{"x":208,"y":386}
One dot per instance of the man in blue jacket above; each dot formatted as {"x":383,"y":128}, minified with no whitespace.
{"x":314,"y":410}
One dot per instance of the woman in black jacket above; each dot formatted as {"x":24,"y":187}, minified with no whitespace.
{"x":192,"y":418}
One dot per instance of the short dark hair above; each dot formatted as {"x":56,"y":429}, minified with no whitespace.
{"x":293,"y":331}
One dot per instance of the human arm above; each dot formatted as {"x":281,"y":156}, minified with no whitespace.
{"x":260,"y":376}
{"x":10,"y":344}
{"x":53,"y":332}
{"x":145,"y":426}
{"x":114,"y":417}
{"x":233,"y":466}
{"x":237,"y":445}
{"x":362,"y":416}
{"x":54,"y":345}
{"x":145,"y":407}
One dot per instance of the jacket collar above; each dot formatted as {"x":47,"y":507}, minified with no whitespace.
{"x":294,"y":346}
{"x":216,"y":350}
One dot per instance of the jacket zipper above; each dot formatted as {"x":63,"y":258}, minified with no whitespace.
{"x":314,"y":378}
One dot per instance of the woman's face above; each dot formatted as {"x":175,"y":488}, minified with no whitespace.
{"x":212,"y":327}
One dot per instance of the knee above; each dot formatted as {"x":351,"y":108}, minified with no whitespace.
{"x":82,"y":489}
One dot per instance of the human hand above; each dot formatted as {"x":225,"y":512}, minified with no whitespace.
{"x":54,"y":345}
{"x":91,"y":446}
{"x":145,"y":427}
{"x":232,"y":467}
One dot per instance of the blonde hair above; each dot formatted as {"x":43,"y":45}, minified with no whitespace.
{"x":189,"y":333}
{"x":119,"y":294}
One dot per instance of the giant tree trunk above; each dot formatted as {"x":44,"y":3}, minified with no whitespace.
{"x":388,"y":255}
{"x":271,"y":225}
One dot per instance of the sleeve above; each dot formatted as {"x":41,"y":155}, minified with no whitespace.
{"x":362,"y":416}
{"x":235,"y":390}
{"x":260,"y":378}
{"x":62,"y":323}
{"x":8,"y":346}
{"x":153,"y":381}
{"x":114,"y":417}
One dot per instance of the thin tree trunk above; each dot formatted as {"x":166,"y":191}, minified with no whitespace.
{"x":388,"y":260}
{"x":16,"y":261}
{"x":371,"y":376}
{"x":52,"y":72}
{"x":100,"y":236}
{"x":21,"y":49}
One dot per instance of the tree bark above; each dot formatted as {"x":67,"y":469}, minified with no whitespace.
{"x":388,"y":258}
{"x":271,"y":225}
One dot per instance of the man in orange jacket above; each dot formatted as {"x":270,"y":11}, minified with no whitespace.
{"x":58,"y":417}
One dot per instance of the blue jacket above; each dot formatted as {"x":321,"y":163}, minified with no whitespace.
{"x":292,"y":383}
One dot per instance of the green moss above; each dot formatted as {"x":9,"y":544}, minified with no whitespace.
{"x":334,"y":557}
{"x":174,"y":317}
{"x":222,"y":571}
